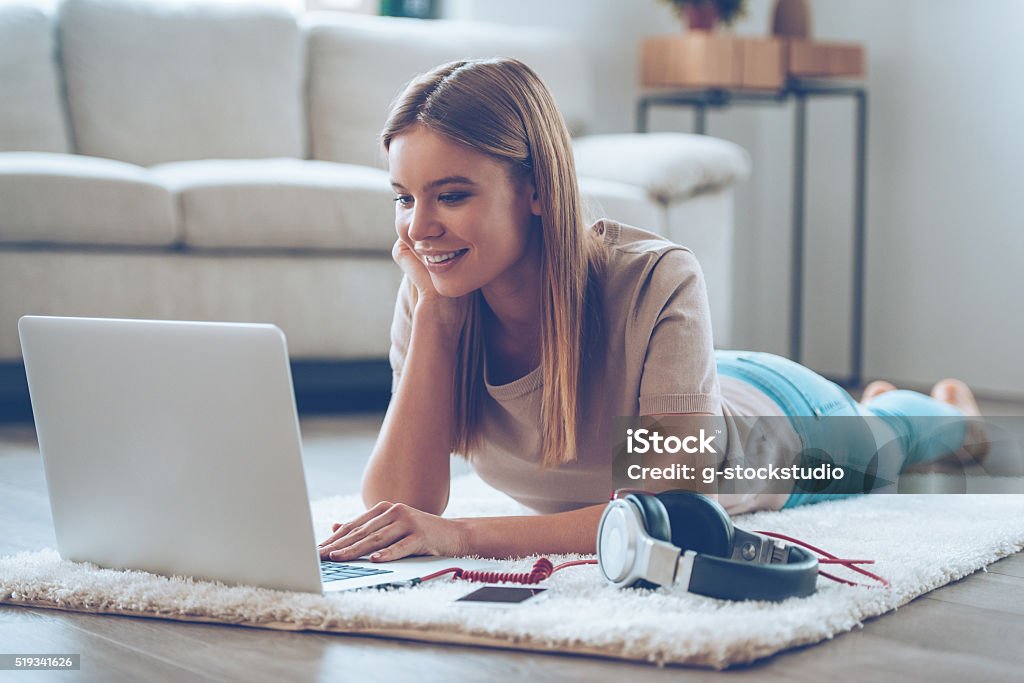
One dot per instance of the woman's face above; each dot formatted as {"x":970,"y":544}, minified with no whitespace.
{"x":461,"y":212}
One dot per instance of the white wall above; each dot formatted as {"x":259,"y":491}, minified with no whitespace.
{"x":945,"y":233}
{"x":945,"y":257}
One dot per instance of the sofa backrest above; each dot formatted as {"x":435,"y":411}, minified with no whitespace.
{"x":151,"y":82}
{"x":358,"y":65}
{"x":31,"y":114}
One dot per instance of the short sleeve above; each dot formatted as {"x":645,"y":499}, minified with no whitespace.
{"x":401,"y":332}
{"x":679,"y":373}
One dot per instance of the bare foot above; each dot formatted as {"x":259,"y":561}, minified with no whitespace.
{"x":957,"y":394}
{"x":976,"y":442}
{"x":874,"y":389}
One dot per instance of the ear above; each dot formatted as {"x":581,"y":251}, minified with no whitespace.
{"x":531,"y":187}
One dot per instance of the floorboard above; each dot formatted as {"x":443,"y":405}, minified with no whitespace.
{"x":1009,"y":566}
{"x":27,"y":631}
{"x":986,"y":590}
{"x":943,"y":628}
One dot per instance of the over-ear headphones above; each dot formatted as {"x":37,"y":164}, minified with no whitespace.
{"x":687,"y":539}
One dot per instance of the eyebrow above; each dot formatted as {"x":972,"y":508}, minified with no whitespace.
{"x":447,"y":180}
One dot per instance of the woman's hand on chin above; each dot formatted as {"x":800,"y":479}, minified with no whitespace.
{"x":448,"y":310}
{"x":391,"y":531}
{"x":413,"y":267}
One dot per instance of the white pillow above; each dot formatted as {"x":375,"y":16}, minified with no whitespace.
{"x":152,"y":82}
{"x":32,"y":116}
{"x":358,"y":65}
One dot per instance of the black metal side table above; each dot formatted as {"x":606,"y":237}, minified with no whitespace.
{"x":800,"y":89}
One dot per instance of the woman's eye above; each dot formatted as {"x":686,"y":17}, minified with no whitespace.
{"x":452,"y":197}
{"x":403,"y":200}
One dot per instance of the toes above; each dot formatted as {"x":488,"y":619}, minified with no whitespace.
{"x":876,"y":388}
{"x":957,"y":394}
{"x":944,"y":390}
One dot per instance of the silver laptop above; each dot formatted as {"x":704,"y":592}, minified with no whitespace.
{"x":174,"y":448}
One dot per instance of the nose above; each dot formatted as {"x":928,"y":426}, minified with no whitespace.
{"x":423,"y":224}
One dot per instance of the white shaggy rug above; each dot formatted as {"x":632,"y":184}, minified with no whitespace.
{"x":920,"y":542}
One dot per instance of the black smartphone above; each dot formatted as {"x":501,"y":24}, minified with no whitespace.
{"x":503,"y":596}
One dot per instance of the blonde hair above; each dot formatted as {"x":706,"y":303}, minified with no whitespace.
{"x":500,"y":107}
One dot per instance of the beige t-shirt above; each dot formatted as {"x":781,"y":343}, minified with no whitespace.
{"x":659,"y":359}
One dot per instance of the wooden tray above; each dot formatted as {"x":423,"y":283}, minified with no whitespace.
{"x":701,"y":59}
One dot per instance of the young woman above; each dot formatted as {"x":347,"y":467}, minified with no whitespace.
{"x":520,"y":334}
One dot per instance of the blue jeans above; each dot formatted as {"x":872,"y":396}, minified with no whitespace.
{"x":898,"y":428}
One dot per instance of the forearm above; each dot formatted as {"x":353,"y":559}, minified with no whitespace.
{"x":562,"y":532}
{"x":410,"y":461}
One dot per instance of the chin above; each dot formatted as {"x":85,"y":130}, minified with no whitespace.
{"x":452,"y":290}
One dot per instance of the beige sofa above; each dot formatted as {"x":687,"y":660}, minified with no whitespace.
{"x":219,"y":162}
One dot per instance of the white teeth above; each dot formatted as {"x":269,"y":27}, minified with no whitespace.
{"x":441,"y":258}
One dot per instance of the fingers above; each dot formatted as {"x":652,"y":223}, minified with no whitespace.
{"x":403,"y":250}
{"x":404,"y":547}
{"x":367,"y":530}
{"x":384,"y":523}
{"x":412,"y":265}
{"x":390,"y":532}
{"x":396,"y":251}
{"x":372,"y":542}
{"x":341,"y":530}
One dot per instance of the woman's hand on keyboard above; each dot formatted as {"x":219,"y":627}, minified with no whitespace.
{"x":390,"y":531}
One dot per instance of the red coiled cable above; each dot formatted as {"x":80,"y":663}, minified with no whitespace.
{"x":542,"y":569}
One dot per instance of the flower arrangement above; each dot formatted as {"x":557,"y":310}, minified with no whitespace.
{"x":702,"y":14}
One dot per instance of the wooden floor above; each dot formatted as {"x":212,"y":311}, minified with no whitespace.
{"x":967,"y":631}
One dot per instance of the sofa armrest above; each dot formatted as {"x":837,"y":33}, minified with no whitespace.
{"x":668,"y":166}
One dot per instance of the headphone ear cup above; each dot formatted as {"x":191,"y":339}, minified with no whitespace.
{"x":654,"y":514}
{"x":698,"y":523}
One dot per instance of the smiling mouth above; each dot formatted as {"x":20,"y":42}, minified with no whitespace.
{"x":443,"y":258}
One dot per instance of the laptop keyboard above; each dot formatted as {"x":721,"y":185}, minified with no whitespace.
{"x":339,"y":571}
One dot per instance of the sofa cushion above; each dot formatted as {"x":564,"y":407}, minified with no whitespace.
{"x":282,"y":204}
{"x":332,"y":307}
{"x":621,"y":202}
{"x":358,"y":65}
{"x":668,"y":166}
{"x":32,"y":117}
{"x":71,"y":199}
{"x":151,"y":82}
